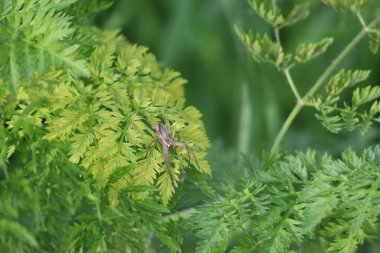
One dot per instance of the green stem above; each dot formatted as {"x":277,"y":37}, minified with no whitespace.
{"x":293,"y":114}
{"x":181,"y":214}
{"x":277,"y":35}
{"x":285,"y":127}
{"x":335,"y":63}
{"x":361,"y":20}
{"x":286,"y":71}
{"x":291,"y":84}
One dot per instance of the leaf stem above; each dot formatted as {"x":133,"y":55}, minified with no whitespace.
{"x":286,"y":71}
{"x":180,"y":214}
{"x":285,"y":127}
{"x":292,"y":85}
{"x":335,"y":63}
{"x":361,"y":20}
{"x":293,"y":114}
{"x":277,"y":35}
{"x":276,"y":29}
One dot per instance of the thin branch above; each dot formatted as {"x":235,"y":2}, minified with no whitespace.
{"x":286,"y":71}
{"x":366,"y":28}
{"x":292,"y":85}
{"x":181,"y":214}
{"x":361,"y":20}
{"x":335,"y":63}
{"x":319,"y":83}
{"x":277,"y":35}
{"x":285,"y":127}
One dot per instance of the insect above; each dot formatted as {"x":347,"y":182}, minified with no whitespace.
{"x":167,"y":141}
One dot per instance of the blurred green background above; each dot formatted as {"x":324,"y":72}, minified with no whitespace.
{"x":244,"y":103}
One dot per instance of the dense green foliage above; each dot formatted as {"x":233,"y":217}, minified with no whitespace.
{"x":77,"y":171}
{"x":81,"y":169}
{"x":292,"y":198}
{"x":305,"y":195}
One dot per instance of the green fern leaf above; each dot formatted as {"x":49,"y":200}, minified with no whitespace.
{"x":365,"y":95}
{"x":263,"y":49}
{"x":297,"y":14}
{"x":306,"y":52}
{"x":40,"y":30}
{"x":353,"y":5}
{"x":268,"y":11}
{"x":345,"y":79}
{"x":374,"y":40}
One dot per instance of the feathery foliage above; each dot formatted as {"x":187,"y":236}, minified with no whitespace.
{"x":333,"y":111}
{"x":274,"y":16}
{"x":78,"y":173}
{"x":352,"y":5}
{"x":287,"y":201}
{"x":349,"y":115}
{"x":298,"y":197}
{"x":82,"y":168}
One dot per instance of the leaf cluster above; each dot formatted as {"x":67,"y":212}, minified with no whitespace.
{"x":333,"y":201}
{"x":335,"y":113}
{"x":264,"y":49}
{"x":272,"y":14}
{"x":342,"y":5}
{"x":357,"y":7}
{"x":80,"y":166}
{"x":288,"y":201}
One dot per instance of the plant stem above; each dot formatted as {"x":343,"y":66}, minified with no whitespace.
{"x":285,"y":127}
{"x":277,"y":35}
{"x":291,"y":84}
{"x":286,"y":71}
{"x":335,"y":63}
{"x":181,"y":214}
{"x":276,"y":29}
{"x":361,"y":20}
{"x":293,"y":114}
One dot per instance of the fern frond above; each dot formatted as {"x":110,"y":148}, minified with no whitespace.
{"x":304,"y":195}
{"x":263,"y":49}
{"x":271,"y":13}
{"x":216,"y":224}
{"x":374,"y":39}
{"x":351,"y":116}
{"x":306,"y":52}
{"x":345,"y":79}
{"x":297,"y":14}
{"x":353,"y":5}
{"x":41,"y":32}
{"x":364,"y":95}
{"x":104,"y":122}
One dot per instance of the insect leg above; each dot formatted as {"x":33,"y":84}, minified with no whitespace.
{"x":165,"y":153}
{"x":149,"y":123}
{"x":188,"y":150}
{"x":173,"y":135}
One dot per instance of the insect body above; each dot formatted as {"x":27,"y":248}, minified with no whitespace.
{"x":163,"y":137}
{"x":167,"y":142}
